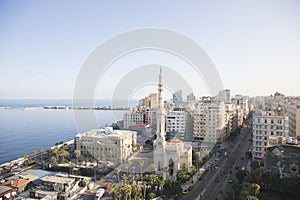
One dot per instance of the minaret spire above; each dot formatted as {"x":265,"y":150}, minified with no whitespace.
{"x":160,"y":90}
{"x":160,"y":132}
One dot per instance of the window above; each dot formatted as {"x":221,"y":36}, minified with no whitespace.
{"x":258,"y":120}
{"x":266,"y":121}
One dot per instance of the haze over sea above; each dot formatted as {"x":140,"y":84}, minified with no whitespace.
{"x":25,"y":131}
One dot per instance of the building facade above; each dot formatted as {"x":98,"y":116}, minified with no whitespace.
{"x":293,"y":112}
{"x":209,"y":122}
{"x":131,"y":118}
{"x":269,"y":129}
{"x":176,"y":121}
{"x":107,"y":144}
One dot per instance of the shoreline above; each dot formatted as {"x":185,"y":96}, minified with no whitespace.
{"x":21,"y":159}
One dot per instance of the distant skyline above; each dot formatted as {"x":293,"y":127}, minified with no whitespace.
{"x":254,"y":44}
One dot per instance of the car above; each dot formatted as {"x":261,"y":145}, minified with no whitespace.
{"x":242,"y":157}
{"x":216,"y":167}
{"x":190,"y":188}
{"x":184,"y":192}
{"x":236,"y":167}
{"x":243,"y":168}
{"x":230,"y":181}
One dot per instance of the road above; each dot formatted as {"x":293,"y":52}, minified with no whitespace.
{"x":216,"y":183}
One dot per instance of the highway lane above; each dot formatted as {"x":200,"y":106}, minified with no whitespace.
{"x":215,"y":184}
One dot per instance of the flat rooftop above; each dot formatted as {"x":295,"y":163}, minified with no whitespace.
{"x":100,"y":133}
{"x":56,"y":179}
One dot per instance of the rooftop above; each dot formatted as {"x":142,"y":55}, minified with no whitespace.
{"x":16,"y":182}
{"x":108,"y":131}
{"x":4,"y":189}
{"x":56,"y":179}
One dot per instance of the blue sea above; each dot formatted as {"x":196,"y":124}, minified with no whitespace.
{"x":27,"y":130}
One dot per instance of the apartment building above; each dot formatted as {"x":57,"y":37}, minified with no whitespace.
{"x":131,"y":118}
{"x":293,"y":112}
{"x":209,"y":122}
{"x":269,"y":129}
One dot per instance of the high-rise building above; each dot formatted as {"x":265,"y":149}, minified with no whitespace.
{"x":224,"y":96}
{"x":191,"y":97}
{"x":177,"y":97}
{"x":293,"y":112}
{"x":269,"y":129}
{"x":209,"y":122}
{"x":176,"y":122}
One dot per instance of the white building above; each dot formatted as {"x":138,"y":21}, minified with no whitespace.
{"x":209,"y":122}
{"x":107,"y":144}
{"x":131,"y":118}
{"x":243,"y":102}
{"x":176,"y":121}
{"x":173,"y":153}
{"x":224,"y":96}
{"x":269,"y":129}
{"x":293,"y":112}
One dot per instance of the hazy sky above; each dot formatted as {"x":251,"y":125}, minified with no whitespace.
{"x":254,"y":44}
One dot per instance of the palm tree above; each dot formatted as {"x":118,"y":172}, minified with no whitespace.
{"x":25,"y":156}
{"x":119,"y":193}
{"x":152,"y":195}
{"x":41,"y":150}
{"x":135,"y":190}
{"x":117,"y":170}
{"x":52,"y":160}
{"x":256,"y":188}
{"x":34,"y":154}
{"x":112,"y":189}
{"x":63,"y":153}
{"x":55,"y":153}
{"x":141,"y":164}
{"x":152,"y":168}
{"x":127,"y":190}
{"x":166,"y":171}
{"x":145,"y":188}
{"x":77,"y":154}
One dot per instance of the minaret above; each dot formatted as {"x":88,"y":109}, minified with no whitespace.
{"x":160,"y":131}
{"x":159,"y":152}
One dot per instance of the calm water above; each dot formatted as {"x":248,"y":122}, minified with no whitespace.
{"x":24,"y":131}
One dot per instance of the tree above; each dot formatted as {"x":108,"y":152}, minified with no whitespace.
{"x":254,"y":165}
{"x":198,"y":159}
{"x":257,"y":175}
{"x":127,"y":190}
{"x":152,"y":168}
{"x":63,"y":153}
{"x":252,"y":198}
{"x":41,"y":150}
{"x":112,"y":189}
{"x":53,"y":160}
{"x":25,"y":156}
{"x":256,"y":189}
{"x":34,"y":154}
{"x":117,"y":170}
{"x":55,"y":153}
{"x":77,"y":155}
{"x":141,"y":164}
{"x":135,"y":190}
{"x":152,"y":195}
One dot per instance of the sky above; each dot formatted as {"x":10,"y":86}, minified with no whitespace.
{"x":254,"y":44}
